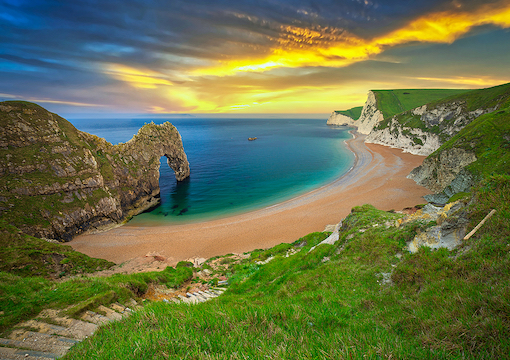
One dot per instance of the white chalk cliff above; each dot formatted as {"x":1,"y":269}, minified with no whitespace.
{"x":439,"y":124}
{"x":370,"y":115}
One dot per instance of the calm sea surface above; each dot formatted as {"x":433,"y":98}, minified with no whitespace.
{"x":230,"y":174}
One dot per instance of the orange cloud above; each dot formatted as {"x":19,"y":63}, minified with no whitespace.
{"x":299,"y":47}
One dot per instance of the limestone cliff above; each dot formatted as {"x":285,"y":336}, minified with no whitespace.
{"x":58,"y":181}
{"x":444,"y":174}
{"x":371,"y":115}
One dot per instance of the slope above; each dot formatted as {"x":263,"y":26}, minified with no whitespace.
{"x":363,"y":296}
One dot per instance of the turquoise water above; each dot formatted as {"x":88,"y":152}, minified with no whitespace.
{"x":230,"y":174}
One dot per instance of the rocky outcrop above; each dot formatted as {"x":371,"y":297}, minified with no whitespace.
{"x":58,"y":181}
{"x":451,"y":226}
{"x":439,"y":171}
{"x":337,"y":118}
{"x":370,"y":115}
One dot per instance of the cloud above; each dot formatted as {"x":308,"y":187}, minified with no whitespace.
{"x":203,"y":56}
{"x":325,"y":46}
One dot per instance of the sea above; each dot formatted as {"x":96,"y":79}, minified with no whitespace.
{"x":229,"y":173}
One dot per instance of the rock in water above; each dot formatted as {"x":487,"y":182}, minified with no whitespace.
{"x":57,"y":181}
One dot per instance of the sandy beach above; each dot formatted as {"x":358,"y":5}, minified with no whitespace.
{"x":378,"y":177}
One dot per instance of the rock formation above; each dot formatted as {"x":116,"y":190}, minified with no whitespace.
{"x":451,"y":224}
{"x":337,"y":118}
{"x":433,"y":130}
{"x":58,"y":181}
{"x":444,"y":172}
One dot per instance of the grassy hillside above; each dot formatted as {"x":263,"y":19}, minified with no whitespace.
{"x":392,"y":102}
{"x":24,"y":255}
{"x":363,"y":297}
{"x":354,"y":113}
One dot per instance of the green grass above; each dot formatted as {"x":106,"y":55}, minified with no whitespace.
{"x":392,"y":102}
{"x":332,"y":302}
{"x":354,"y":113}
{"x":498,"y":96}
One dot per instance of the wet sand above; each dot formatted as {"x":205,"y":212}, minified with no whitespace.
{"x":378,"y":177}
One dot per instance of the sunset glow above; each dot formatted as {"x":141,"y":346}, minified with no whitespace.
{"x":250,"y":59}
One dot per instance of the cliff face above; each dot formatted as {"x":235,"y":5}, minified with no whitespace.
{"x":58,"y":181}
{"x":370,"y":115}
{"x":423,"y":130}
{"x":465,"y":135}
{"x":444,"y":174}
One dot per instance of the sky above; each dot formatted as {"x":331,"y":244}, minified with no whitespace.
{"x":244,"y":56}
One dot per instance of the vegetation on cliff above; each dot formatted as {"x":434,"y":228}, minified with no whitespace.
{"x":446,"y":116}
{"x":31,"y":269}
{"x":479,"y":149}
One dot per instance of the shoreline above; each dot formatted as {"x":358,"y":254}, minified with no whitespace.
{"x":377,"y":177}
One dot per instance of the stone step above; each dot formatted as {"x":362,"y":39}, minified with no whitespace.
{"x":192,"y":299}
{"x":43,"y":327}
{"x":211,"y":293}
{"x":133,"y":305}
{"x":94,"y":318}
{"x":110,"y":314}
{"x":200,"y":297}
{"x":206,"y":295}
{"x":76,"y":329}
{"x":39,"y":342}
{"x":19,"y":354}
{"x":118,"y":308}
{"x":184,"y":299}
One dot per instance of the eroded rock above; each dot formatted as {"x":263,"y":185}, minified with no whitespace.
{"x":62,"y":181}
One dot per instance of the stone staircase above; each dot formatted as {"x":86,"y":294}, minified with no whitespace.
{"x":51,"y":335}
